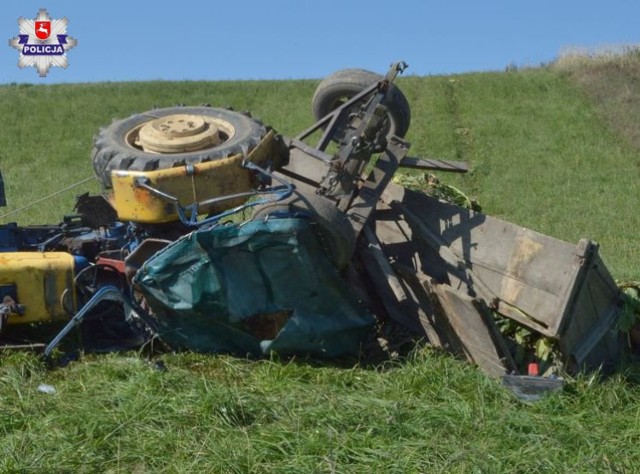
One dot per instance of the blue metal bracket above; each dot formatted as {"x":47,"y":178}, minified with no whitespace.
{"x":3,"y":200}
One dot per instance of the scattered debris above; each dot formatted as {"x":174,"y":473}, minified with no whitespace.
{"x":529,"y":388}
{"x":45,"y":388}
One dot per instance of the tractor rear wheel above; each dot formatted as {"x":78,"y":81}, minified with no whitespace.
{"x":334,"y":229}
{"x":342,"y":85}
{"x":173,"y":136}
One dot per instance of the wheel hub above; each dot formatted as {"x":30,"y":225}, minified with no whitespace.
{"x":180,"y":133}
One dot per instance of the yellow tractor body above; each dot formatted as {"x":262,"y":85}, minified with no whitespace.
{"x":189,"y":184}
{"x":37,"y":280}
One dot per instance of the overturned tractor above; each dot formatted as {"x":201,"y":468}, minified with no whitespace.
{"x":215,"y":233}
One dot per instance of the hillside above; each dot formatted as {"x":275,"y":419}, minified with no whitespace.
{"x":554,"y":148}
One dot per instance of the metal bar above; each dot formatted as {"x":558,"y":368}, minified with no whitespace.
{"x":332,"y":118}
{"x":360,"y":208}
{"x":143,"y":183}
{"x":106,"y":293}
{"x":329,"y":118}
{"x":374,"y":249}
{"x":434,"y":164}
{"x":340,"y":112}
{"x":3,"y":199}
{"x":281,"y":192}
{"x":316,"y":153}
{"x":395,"y":69}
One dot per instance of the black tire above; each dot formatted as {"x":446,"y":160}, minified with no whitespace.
{"x":112,"y":151}
{"x":334,"y":228}
{"x":342,"y":85}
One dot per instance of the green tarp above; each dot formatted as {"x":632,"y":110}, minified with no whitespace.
{"x":250,"y":289}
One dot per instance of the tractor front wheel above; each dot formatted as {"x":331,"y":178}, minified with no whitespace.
{"x":173,"y":136}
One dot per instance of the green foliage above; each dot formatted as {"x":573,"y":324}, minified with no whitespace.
{"x":429,"y":184}
{"x":630,"y":314}
{"x":527,"y":345}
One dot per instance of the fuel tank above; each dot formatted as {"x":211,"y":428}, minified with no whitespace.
{"x":36,"y":281}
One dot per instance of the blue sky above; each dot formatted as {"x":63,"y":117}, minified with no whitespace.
{"x":286,"y":39}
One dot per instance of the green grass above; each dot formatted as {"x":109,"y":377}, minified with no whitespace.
{"x":428,"y":413}
{"x":549,"y":148}
{"x":541,"y":156}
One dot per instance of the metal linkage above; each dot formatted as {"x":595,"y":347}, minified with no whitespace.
{"x":188,"y":215}
{"x":110,"y":293}
{"x":361,"y":141}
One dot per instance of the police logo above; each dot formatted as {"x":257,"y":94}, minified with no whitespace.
{"x":43,"y":42}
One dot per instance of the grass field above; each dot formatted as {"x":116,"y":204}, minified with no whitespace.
{"x":555,"y":149}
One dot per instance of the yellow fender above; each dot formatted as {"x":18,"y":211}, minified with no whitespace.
{"x":197,"y":183}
